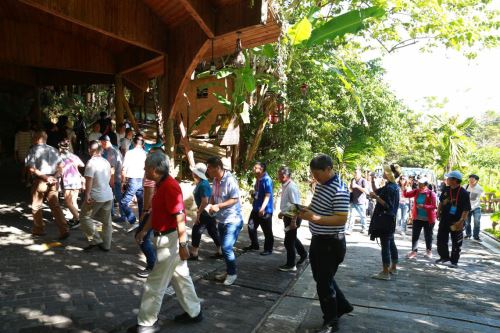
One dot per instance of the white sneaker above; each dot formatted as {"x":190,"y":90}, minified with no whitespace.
{"x":230,"y":279}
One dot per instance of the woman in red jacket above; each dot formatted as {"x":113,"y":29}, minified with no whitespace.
{"x":423,"y":215}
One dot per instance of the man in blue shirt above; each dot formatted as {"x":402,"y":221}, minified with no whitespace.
{"x":225,"y":206}
{"x":262,"y":212}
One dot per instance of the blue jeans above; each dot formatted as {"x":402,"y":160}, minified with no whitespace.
{"x":389,"y":250}
{"x":133,"y":187}
{"x":360,"y":209}
{"x":476,"y":213}
{"x":117,"y":192}
{"x":403,"y":215}
{"x":229,"y":233}
{"x":147,"y":245}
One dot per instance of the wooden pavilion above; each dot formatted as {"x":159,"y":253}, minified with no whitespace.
{"x":125,"y":42}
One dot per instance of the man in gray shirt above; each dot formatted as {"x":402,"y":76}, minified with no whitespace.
{"x":45,"y":164}
{"x":290,"y":195}
{"x":359,"y":190}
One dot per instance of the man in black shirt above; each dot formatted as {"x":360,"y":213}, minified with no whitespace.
{"x":454,"y":207}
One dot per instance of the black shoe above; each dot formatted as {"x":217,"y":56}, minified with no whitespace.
{"x":441,"y":261}
{"x":63,"y":236}
{"x":286,"y":268}
{"x":302,"y":259}
{"x":250,"y":248}
{"x":477,"y":239}
{"x":344,"y":310}
{"x":266,"y":253}
{"x":144,"y":329}
{"x":193,"y":258}
{"x":89,"y":247}
{"x":102,"y":248}
{"x":467,"y":237}
{"x":329,"y":328}
{"x":144,"y":273}
{"x":73,"y":224}
{"x":185,"y":318}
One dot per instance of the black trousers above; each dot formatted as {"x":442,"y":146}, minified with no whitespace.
{"x":443,"y":237}
{"x":292,"y":243}
{"x":266,"y":223}
{"x":325,"y":256}
{"x":417,"y":229}
{"x":206,"y":223}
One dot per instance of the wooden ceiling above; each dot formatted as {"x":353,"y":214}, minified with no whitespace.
{"x":135,"y":38}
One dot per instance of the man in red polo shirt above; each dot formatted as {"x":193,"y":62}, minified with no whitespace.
{"x":168,"y":222}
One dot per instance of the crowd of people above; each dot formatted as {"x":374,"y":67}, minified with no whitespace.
{"x":120,"y":167}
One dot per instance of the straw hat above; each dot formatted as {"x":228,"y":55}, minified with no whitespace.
{"x":200,"y":169}
{"x":392,"y":172}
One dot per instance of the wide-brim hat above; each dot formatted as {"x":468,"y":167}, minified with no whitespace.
{"x":390,"y":173}
{"x":200,"y":169}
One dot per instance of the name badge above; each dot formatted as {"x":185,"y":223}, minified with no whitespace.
{"x":453,"y":210}
{"x":256,"y":195}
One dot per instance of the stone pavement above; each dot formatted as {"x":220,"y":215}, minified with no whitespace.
{"x":46,"y":286}
{"x":424,"y":297}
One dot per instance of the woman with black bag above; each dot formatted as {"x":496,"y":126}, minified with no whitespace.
{"x":383,"y":223}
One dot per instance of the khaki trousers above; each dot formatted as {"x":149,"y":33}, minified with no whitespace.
{"x":169,"y":268}
{"x":39,"y":191}
{"x":97,"y":212}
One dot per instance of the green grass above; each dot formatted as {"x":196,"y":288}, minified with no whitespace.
{"x":494,"y":233}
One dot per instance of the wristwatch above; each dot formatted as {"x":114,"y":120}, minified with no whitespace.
{"x":183,"y":244}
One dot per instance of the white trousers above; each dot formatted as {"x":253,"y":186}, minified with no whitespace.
{"x":168,"y":268}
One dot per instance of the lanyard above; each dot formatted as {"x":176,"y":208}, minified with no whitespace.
{"x":456,"y":199}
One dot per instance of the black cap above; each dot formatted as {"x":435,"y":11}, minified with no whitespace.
{"x":104,"y":138}
{"x":476,"y":177}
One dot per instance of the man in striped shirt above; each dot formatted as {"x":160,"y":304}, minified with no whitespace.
{"x":327,"y":215}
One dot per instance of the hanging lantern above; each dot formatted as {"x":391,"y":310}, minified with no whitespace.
{"x":277,"y":114}
{"x":303,"y":89}
{"x":239,"y":57}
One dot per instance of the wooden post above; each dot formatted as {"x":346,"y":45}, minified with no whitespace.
{"x":119,"y":97}
{"x":130,"y":115}
{"x":168,"y":123}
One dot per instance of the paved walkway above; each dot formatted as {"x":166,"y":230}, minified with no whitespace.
{"x":424,"y":297}
{"x":46,"y":286}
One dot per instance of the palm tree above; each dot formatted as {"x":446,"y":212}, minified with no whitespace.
{"x":452,"y":139}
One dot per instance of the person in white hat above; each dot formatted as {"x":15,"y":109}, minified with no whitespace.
{"x":423,"y":215}
{"x":203,"y":221}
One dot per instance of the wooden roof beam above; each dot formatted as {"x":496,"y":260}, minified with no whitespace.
{"x":36,"y":45}
{"x":203,"y":13}
{"x":131,"y":21}
{"x":240,"y":15}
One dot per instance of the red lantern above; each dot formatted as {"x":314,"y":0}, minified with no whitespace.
{"x":303,"y":89}
{"x":277,"y":114}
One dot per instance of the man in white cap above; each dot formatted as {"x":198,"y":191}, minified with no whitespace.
{"x":203,"y":221}
{"x":454,"y":207}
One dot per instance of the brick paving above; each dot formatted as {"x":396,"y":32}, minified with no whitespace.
{"x":424,"y":297}
{"x":51,"y":287}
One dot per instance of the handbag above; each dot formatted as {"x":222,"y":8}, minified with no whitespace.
{"x":381,"y":224}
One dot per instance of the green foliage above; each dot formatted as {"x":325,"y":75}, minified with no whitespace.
{"x":350,"y":22}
